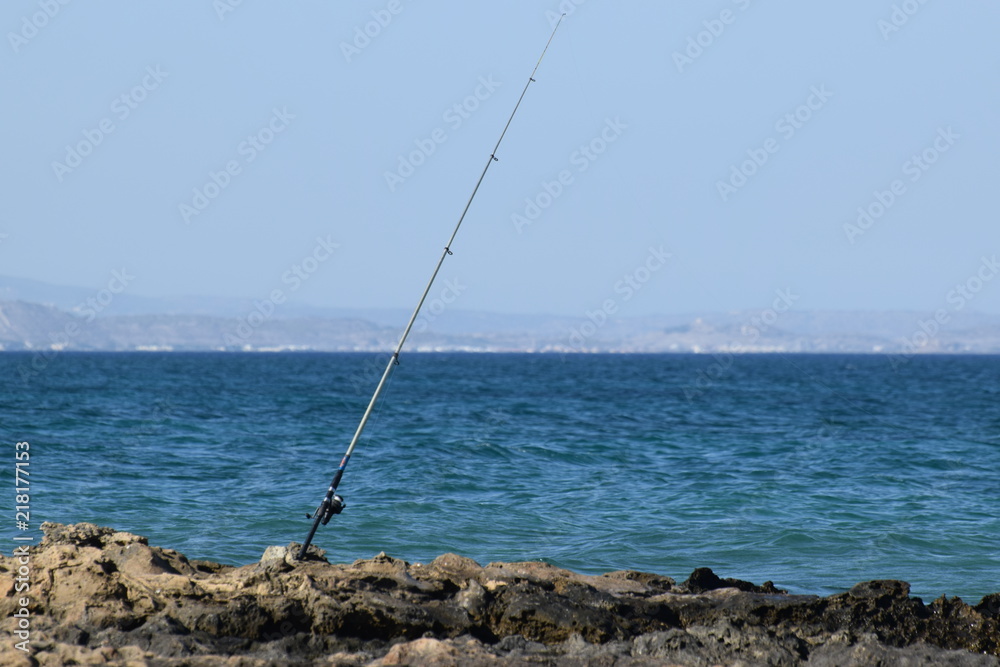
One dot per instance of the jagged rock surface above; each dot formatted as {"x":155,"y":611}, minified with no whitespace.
{"x":106,"y":597}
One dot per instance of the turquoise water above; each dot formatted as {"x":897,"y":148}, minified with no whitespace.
{"x":813,"y":471}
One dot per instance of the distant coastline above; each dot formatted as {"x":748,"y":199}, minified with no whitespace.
{"x":39,"y":317}
{"x":34,"y":327}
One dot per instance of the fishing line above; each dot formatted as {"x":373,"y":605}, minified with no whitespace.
{"x":332,"y":503}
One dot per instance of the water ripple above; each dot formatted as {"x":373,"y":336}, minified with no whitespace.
{"x":812,"y":471}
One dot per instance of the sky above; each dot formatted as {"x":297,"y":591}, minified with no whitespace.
{"x":670,"y":157}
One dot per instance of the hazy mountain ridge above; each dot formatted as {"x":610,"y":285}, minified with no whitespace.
{"x":37,"y":316}
{"x":35,"y":327}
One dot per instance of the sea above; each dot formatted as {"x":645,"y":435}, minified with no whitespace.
{"x":811,"y":471}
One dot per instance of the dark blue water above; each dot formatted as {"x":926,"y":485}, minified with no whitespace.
{"x":814,"y":471}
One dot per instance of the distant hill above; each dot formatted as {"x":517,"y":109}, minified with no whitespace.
{"x":34,"y":326}
{"x":38,"y":316}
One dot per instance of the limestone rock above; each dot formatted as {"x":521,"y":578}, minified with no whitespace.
{"x":99,"y":596}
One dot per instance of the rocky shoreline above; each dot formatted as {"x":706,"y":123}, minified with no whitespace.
{"x":104,"y":597}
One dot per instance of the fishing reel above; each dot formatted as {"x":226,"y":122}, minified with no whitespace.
{"x":328,"y":509}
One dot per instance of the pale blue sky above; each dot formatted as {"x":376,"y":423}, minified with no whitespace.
{"x":339,"y":118}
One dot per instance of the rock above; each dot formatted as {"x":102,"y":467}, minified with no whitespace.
{"x":313,"y":552}
{"x":990,"y":606}
{"x":276,"y":559}
{"x":881,"y":590}
{"x":99,"y":596}
{"x":431,"y":652}
{"x":703,"y":579}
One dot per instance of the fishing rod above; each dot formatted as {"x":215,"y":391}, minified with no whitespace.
{"x":332,"y":502}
